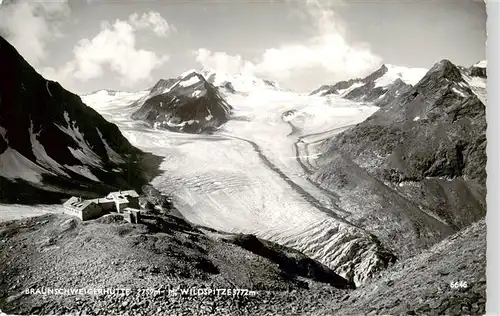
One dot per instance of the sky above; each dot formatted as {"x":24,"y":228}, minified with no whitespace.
{"x":128,"y":45}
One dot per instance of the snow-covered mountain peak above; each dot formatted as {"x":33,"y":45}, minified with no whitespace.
{"x":188,"y":72}
{"x":187,"y":103}
{"x":408,"y":75}
{"x":187,"y":83}
{"x":191,"y":78}
{"x":99,"y":92}
{"x":103,"y":97}
{"x":239,"y":82}
{"x":382,"y":85}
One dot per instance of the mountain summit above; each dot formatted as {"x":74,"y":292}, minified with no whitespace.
{"x":186,"y":104}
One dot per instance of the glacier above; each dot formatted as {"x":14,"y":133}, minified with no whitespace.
{"x":246,"y":177}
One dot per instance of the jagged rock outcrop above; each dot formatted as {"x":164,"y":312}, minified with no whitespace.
{"x":53,"y":145}
{"x":187,"y":104}
{"x":291,"y":261}
{"x":479,"y":69}
{"x":413,"y":172}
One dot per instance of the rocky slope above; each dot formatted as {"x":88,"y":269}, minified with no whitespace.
{"x":413,"y":172}
{"x":163,"y":252}
{"x":53,"y":145}
{"x":186,"y":104}
{"x":382,"y":86}
{"x":427,"y":283}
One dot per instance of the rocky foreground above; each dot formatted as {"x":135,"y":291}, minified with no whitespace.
{"x":151,"y":260}
{"x":154,"y":260}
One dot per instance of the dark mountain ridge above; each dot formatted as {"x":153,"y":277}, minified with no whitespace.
{"x":51,"y":141}
{"x":367,"y":89}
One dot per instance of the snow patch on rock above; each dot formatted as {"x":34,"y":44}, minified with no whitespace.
{"x":198,"y":93}
{"x":189,"y":82}
{"x":83,"y":171}
{"x":209,"y":116}
{"x":84,"y":153}
{"x":41,"y":155}
{"x":355,"y":85}
{"x":459,"y":92}
{"x":113,"y":155}
{"x":478,"y":87}
{"x":14,"y":166}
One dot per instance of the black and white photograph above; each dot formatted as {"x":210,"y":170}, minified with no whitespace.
{"x":244,"y":157}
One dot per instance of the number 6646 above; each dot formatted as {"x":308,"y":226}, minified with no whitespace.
{"x":459,"y":284}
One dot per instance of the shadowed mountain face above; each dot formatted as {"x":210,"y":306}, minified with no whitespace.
{"x":188,"y":104}
{"x":414,"y":171}
{"x":380,"y":87}
{"x":52,"y":144}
